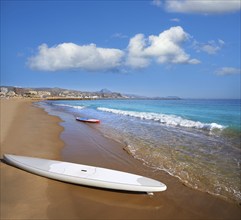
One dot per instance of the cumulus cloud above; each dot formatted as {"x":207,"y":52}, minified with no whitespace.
{"x":136,"y":57}
{"x":140,"y":52}
{"x":164,"y":48}
{"x":227,"y":71}
{"x":67,"y":56}
{"x":211,"y":47}
{"x":200,"y":6}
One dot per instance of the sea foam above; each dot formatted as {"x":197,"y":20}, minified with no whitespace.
{"x":170,"y":120}
{"x":71,"y":106}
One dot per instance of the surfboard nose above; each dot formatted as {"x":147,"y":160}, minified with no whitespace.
{"x":154,"y":184}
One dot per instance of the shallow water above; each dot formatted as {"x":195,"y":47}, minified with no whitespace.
{"x":198,"y":141}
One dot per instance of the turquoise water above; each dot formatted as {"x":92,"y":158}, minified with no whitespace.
{"x":222,"y":112}
{"x":197,"y":141}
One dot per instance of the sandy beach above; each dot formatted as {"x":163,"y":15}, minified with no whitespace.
{"x":30,"y":131}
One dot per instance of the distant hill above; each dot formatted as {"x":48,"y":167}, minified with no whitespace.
{"x":105,"y":91}
{"x":60,"y":93}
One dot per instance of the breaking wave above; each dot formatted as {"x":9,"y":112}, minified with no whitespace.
{"x":169,"y":120}
{"x":71,"y":106}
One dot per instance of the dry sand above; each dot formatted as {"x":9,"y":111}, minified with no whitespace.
{"x":28,"y":130}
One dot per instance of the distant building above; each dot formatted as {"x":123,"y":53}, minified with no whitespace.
{"x":4,"y":90}
{"x":43,"y":94}
{"x":11,"y":94}
{"x":32,"y":92}
{"x":55,"y":93}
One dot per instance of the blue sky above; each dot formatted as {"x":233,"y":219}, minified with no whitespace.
{"x":180,"y":48}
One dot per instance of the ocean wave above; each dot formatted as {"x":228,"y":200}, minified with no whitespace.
{"x":170,"y":120}
{"x":71,"y":106}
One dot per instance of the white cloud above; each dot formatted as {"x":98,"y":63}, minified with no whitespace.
{"x":164,"y":48}
{"x":119,"y":35}
{"x":67,"y":56}
{"x":175,"y":19}
{"x":221,"y":42}
{"x":211,"y":47}
{"x":157,"y":3}
{"x":136,"y":57}
{"x":227,"y":71}
{"x":203,"y":6}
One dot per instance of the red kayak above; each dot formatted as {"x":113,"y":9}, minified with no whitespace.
{"x":90,"y":120}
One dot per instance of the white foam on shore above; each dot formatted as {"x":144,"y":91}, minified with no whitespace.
{"x":71,"y":106}
{"x":170,"y":120}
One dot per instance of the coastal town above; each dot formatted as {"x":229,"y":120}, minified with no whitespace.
{"x":57,"y":93}
{"x":67,"y":94}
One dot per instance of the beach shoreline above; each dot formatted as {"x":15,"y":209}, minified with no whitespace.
{"x":30,"y":131}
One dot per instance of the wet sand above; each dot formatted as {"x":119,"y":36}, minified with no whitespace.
{"x":28,"y":130}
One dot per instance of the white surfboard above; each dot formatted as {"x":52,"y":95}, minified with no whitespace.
{"x":86,"y":175}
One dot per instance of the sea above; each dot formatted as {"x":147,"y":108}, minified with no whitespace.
{"x":194,"y":140}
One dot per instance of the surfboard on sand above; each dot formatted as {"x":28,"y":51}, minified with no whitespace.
{"x":90,"y":120}
{"x":85,"y":175}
